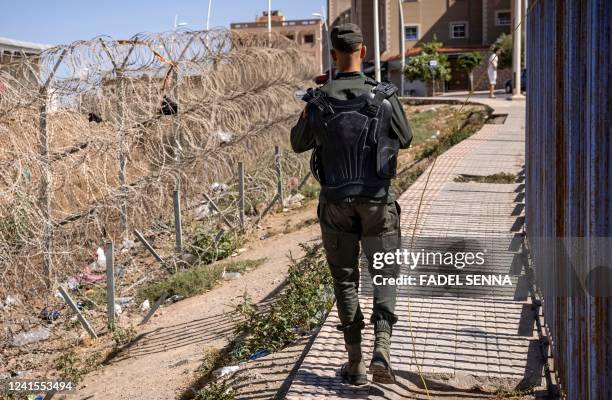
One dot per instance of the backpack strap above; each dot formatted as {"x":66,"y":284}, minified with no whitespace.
{"x":318,"y":98}
{"x":382,"y":91}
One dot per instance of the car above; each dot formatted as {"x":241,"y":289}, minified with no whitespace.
{"x":509,"y":83}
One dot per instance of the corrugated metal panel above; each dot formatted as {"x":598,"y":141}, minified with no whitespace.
{"x":569,"y":176}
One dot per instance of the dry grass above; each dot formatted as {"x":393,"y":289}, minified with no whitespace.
{"x":242,"y":85}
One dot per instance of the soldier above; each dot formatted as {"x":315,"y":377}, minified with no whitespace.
{"x":355,"y":127}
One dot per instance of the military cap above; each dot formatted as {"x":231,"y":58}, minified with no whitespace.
{"x":346,"y":38}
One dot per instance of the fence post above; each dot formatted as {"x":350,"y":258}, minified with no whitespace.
{"x":279,"y":173}
{"x":110,"y":284}
{"x":122,"y":152}
{"x":45,"y":181}
{"x":241,"y":192}
{"x":178,"y":228}
{"x":76,"y":310}
{"x":158,"y":303}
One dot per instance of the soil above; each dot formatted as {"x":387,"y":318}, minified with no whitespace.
{"x":163,"y":359}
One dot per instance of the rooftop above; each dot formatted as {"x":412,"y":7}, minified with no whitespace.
{"x":14,"y":44}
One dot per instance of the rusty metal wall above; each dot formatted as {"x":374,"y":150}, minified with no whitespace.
{"x":569,"y":182}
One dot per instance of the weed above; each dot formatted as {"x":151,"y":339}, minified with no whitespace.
{"x":194,"y":281}
{"x":311,"y":191}
{"x":210,"y":247}
{"x":96,"y":295}
{"x":14,"y":225}
{"x":504,"y":393}
{"x":457,"y":126}
{"x":123,"y":336}
{"x":92,"y":362}
{"x":213,"y":359}
{"x":67,"y":365}
{"x":243,"y":265}
{"x":300,"y":308}
{"x":501,"y":177}
{"x":216,"y":391}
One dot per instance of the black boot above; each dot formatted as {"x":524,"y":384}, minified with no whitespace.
{"x":380,"y":367}
{"x":354,"y":371}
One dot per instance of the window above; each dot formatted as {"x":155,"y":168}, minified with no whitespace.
{"x":411,"y":32}
{"x":458,"y":30}
{"x":290,"y":36}
{"x":503,"y":18}
{"x":309,"y":38}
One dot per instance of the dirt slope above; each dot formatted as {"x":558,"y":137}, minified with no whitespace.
{"x":162,"y":360}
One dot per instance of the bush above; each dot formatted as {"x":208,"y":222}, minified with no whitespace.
{"x":301,"y":307}
{"x":194,"y":281}
{"x":208,"y":247}
{"x":418,"y":68}
{"x":504,"y":45}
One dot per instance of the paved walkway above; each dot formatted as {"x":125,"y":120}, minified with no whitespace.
{"x":476,"y":343}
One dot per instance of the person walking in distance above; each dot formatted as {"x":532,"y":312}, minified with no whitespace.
{"x":355,"y":127}
{"x":492,"y":71}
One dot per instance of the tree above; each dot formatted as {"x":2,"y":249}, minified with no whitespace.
{"x":468,"y":62}
{"x":419,"y":68}
{"x":504,"y":45}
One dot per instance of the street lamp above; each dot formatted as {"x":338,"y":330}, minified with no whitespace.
{"x":327,"y":53}
{"x":402,"y":46}
{"x":270,"y":16}
{"x":376,"y":43}
{"x":516,"y":50}
{"x":208,"y":15}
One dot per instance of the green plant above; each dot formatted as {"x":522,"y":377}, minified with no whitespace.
{"x":213,"y":358}
{"x":503,"y":44}
{"x":501,"y":177}
{"x":419,"y":67}
{"x":193,"y":281}
{"x":311,"y":191}
{"x":184,"y":284}
{"x":216,"y":391}
{"x":242,"y":265}
{"x":122,"y":336}
{"x":67,"y":365}
{"x":460,"y":126}
{"x":468,"y":62}
{"x":96,"y":296}
{"x":210,"y":247}
{"x":14,"y":225}
{"x":301,"y":307}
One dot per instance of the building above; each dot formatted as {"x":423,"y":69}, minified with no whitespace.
{"x":307,"y":33}
{"x":11,"y":51}
{"x":461,"y":25}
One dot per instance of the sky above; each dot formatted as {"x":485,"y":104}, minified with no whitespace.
{"x":65,"y":21}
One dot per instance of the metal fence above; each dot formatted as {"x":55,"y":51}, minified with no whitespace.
{"x":569,"y":191}
{"x":96,"y":136}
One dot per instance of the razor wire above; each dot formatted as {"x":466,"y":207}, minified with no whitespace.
{"x":95,"y":136}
